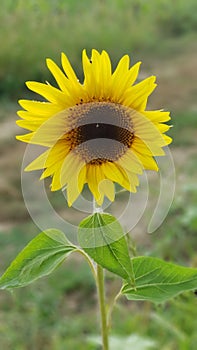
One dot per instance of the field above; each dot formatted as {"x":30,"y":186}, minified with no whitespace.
{"x":60,"y":312}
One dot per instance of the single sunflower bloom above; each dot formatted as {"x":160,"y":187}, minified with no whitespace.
{"x":98,"y":132}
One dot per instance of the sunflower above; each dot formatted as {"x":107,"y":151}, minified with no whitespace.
{"x":98,"y":132}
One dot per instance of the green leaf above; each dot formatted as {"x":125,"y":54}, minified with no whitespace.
{"x":39,"y":258}
{"x":102,"y":238}
{"x":158,"y":281}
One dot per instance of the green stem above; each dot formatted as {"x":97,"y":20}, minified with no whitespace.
{"x":111,"y":308}
{"x":88,"y":261}
{"x":101,"y":295}
{"x":96,"y":208}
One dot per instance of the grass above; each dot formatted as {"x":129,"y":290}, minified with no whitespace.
{"x":183,"y":131}
{"x":38,"y":29}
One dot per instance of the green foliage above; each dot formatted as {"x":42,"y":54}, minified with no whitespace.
{"x":39,"y":258}
{"x":52,"y":313}
{"x":102,"y":238}
{"x":38,"y":29}
{"x":184,"y":128}
{"x":176,"y":238}
{"x":176,"y":25}
{"x":158,"y":281}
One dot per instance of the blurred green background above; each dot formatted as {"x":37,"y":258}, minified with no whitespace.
{"x":59,"y":312}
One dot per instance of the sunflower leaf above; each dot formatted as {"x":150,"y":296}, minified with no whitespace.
{"x":158,"y":281}
{"x":39,"y":258}
{"x":102,"y":238}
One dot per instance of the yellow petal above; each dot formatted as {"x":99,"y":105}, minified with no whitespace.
{"x":122,"y":67}
{"x":118,"y":77}
{"x":68,"y":69}
{"x":58,"y":74}
{"x":32,"y":125}
{"x":133,"y":74}
{"x":35,"y":139}
{"x":49,"y":132}
{"x":30,"y":116}
{"x":94,"y":178}
{"x":75,"y":90}
{"x":49,"y":92}
{"x":26,"y":138}
{"x":107,"y":188}
{"x":167,"y":139}
{"x":58,"y":153}
{"x":157,"y":116}
{"x":47,"y":172}
{"x":82,"y":178}
{"x":147,"y":162}
{"x":130,"y":162}
{"x":39,"y":162}
{"x":106,"y":65}
{"x":89,"y":82}
{"x":115,"y":173}
{"x":105,"y":75}
{"x":44,"y":109}
{"x":148,"y":132}
{"x":139,"y":146}
{"x":75,"y":185}
{"x":162,"y":127}
{"x":56,"y":181}
{"x":132,"y":182}
{"x":71,"y":167}
{"x":100,"y":200}
{"x":123,"y":78}
{"x":96,"y":69}
{"x":136,"y":97}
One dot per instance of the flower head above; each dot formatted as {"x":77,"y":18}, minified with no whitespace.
{"x":98,"y":132}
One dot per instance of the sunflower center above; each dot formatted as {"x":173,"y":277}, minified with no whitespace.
{"x":101,"y":131}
